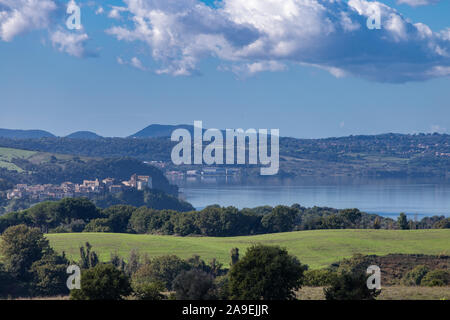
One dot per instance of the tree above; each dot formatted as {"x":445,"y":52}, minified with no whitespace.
{"x":162,"y":269}
{"x":88,"y":258}
{"x":50,"y":275}
{"x":266,"y":272}
{"x":194,"y":285}
{"x":148,"y":291}
{"x":102,"y":282}
{"x":377,"y":223}
{"x":403,"y":222}
{"x":350,"y":286}
{"x":282,"y":219}
{"x":20,"y":247}
{"x":234,"y":256}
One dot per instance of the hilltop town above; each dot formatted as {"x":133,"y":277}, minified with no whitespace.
{"x":88,"y":188}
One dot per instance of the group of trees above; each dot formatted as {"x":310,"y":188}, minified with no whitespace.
{"x":29,"y":266}
{"x":263,"y":273}
{"x":78,"y":215}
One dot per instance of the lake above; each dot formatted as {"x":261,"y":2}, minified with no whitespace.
{"x":415,"y":197}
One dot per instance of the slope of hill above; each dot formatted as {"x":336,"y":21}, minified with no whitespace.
{"x":8,"y":154}
{"x":84,"y":135}
{"x":159,"y":130}
{"x":318,"y":248}
{"x":386,"y":155}
{"x":24,"y":134}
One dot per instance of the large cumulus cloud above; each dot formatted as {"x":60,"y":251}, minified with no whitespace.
{"x":21,"y":16}
{"x":259,"y":35}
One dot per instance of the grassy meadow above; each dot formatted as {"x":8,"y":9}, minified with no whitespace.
{"x":317,"y":248}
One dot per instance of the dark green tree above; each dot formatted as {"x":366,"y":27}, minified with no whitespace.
{"x":102,"y":282}
{"x":88,"y":257}
{"x":402,"y":222}
{"x":49,"y":275}
{"x":194,"y":285}
{"x":350,"y":286}
{"x":234,"y":256}
{"x":281,"y":219}
{"x":266,"y":272}
{"x":20,"y":247}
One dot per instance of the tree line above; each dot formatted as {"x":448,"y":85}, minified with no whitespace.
{"x":82,"y":215}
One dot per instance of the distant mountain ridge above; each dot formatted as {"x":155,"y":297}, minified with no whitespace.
{"x":25,"y":134}
{"x":160,"y":130}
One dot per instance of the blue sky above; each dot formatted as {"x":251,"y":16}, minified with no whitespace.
{"x":309,"y":78}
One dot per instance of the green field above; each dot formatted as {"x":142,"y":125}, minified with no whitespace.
{"x":316,"y":248}
{"x":7,"y":154}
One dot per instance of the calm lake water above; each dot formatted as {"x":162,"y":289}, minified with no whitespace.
{"x":384,"y":197}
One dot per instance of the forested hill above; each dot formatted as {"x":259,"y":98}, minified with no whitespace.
{"x":393,"y":155}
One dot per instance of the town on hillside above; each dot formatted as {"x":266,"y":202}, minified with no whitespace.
{"x":88,"y":188}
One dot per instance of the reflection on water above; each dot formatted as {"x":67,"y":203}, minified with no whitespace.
{"x":419,"y":197}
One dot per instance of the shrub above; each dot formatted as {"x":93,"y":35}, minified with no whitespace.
{"x":164,"y":269}
{"x":319,"y":278}
{"x":148,"y":291}
{"x":350,"y":286}
{"x":436,"y":278}
{"x":102,"y":282}
{"x":194,"y":285}
{"x":98,"y":225}
{"x":415,"y":276}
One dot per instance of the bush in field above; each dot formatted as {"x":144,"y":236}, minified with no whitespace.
{"x":319,"y":278}
{"x":102,"y":282}
{"x":148,"y":290}
{"x":436,"y":278}
{"x":161,"y":269}
{"x":194,"y":285}
{"x":350,"y":286}
{"x":266,"y":272}
{"x":98,"y":225}
{"x":415,"y":276}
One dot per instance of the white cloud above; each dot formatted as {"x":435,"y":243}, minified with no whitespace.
{"x":69,"y":42}
{"x":266,"y":35}
{"x":435,"y":128}
{"x":115,"y":12}
{"x":19,"y":16}
{"x":416,"y":3}
{"x":99,"y":10}
{"x":134,"y":62}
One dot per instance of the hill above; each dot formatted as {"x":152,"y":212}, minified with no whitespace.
{"x":386,"y":155}
{"x":317,"y":248}
{"x":24,"y":134}
{"x":159,"y":130}
{"x":84,"y":135}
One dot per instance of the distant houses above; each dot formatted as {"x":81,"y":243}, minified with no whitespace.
{"x":87,"y":189}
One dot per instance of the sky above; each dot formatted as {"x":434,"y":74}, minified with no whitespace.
{"x":311,"y":68}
